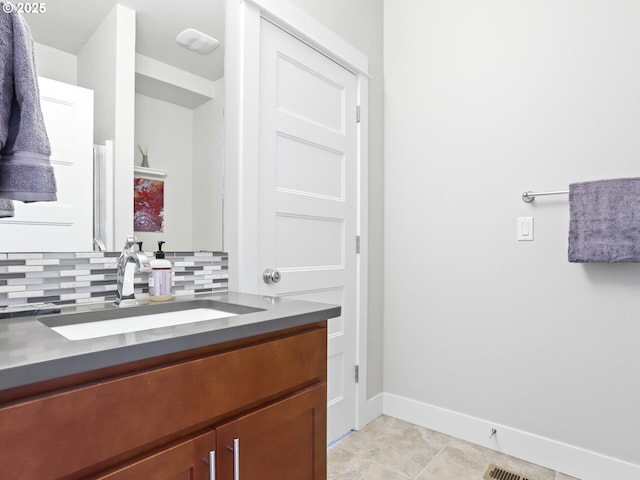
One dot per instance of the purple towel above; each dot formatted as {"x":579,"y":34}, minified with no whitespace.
{"x":604,"y":222}
{"x":26,"y":173}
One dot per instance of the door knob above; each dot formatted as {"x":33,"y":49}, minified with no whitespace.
{"x":271,"y":276}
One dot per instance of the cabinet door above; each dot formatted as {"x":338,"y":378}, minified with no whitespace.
{"x":188,"y":460}
{"x":285,"y":440}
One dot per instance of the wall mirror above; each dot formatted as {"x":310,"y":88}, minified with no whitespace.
{"x":177,"y":120}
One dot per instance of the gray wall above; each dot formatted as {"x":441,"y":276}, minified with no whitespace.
{"x":485,"y":100}
{"x":359,"y":22}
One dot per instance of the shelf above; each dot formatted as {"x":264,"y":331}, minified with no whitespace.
{"x":165,"y":82}
{"x":149,"y":172}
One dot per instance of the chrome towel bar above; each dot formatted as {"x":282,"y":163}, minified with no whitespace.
{"x":529,"y":197}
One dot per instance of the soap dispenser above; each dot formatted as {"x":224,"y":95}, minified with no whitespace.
{"x":160,"y":277}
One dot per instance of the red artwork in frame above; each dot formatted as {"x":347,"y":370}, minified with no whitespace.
{"x":148,"y":205}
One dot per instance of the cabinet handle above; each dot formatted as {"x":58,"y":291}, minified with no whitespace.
{"x":236,"y":459}
{"x":212,"y":465}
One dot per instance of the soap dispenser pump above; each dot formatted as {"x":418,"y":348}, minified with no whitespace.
{"x":160,"y":277}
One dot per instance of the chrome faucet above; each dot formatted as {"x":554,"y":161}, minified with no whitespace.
{"x":127,"y":263}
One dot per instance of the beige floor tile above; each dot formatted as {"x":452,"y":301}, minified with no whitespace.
{"x":391,"y":449}
{"x":395,"y":444}
{"x":344,"y":465}
{"x":461,"y":460}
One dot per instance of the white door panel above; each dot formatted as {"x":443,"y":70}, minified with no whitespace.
{"x":308,"y":185}
{"x":308,"y":242}
{"x":306,"y":205}
{"x":316,"y":99}
{"x":337,"y":363}
{"x":329,"y":295}
{"x":306,"y":168}
{"x":65,"y":225}
{"x":307,"y":280}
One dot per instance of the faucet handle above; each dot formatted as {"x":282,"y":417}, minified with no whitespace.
{"x":129,"y":243}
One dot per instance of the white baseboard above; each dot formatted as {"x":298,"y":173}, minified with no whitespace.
{"x":568,"y":459}
{"x":371,"y":410}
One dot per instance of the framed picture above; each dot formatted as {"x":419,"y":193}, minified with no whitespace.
{"x":148,"y":200}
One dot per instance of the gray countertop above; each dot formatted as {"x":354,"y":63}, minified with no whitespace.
{"x":32,"y":352}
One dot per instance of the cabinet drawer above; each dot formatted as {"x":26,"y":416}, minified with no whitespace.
{"x":98,"y":425}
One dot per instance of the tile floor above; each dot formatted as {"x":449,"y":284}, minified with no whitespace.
{"x":392,"y":449}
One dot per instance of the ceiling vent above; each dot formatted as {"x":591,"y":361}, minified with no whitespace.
{"x":197,"y":41}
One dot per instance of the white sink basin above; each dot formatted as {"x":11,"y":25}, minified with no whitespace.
{"x":87,"y":325}
{"x":104,"y":328}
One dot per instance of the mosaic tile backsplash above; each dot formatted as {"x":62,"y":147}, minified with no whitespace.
{"x":65,"y":278}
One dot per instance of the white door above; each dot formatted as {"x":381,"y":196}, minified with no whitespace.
{"x":67,"y":224}
{"x":308,"y":188}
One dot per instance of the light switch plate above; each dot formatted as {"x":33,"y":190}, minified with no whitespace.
{"x":525,"y":229}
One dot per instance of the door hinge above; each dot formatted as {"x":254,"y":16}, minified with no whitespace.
{"x":357,"y":113}
{"x":357,"y":372}
{"x":357,"y":243}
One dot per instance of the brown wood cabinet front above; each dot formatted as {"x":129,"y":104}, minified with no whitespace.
{"x":150,"y":424}
{"x":188,"y":460}
{"x":285,"y":440}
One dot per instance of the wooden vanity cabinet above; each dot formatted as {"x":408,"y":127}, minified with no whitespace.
{"x":282,"y":440}
{"x":188,"y":460}
{"x":259,"y":404}
{"x":285,"y":440}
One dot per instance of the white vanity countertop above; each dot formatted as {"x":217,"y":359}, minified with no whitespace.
{"x":31,"y":352}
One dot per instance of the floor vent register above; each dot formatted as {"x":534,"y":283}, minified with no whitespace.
{"x":497,"y":473}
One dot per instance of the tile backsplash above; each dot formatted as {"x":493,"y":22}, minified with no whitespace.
{"x":65,"y":278}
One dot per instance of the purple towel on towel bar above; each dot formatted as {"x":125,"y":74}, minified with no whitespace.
{"x":604,"y":221}
{"x":26,"y":173}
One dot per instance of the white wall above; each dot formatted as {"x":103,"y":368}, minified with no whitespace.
{"x":208,"y":166}
{"x":56,"y":64}
{"x":167,"y":130}
{"x":106,"y":64}
{"x":485,"y":100}
{"x":359,"y":22}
